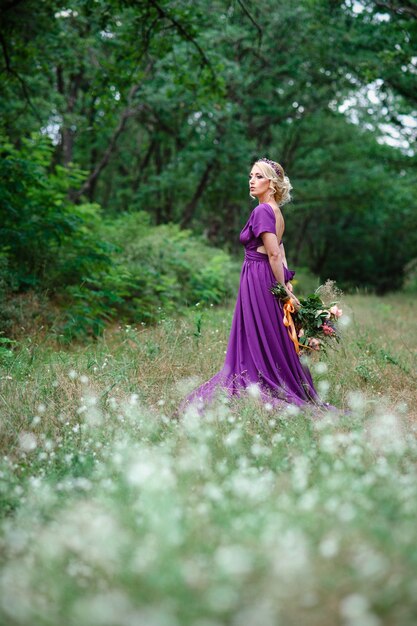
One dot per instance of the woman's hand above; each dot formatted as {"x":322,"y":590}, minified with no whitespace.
{"x":295,"y":300}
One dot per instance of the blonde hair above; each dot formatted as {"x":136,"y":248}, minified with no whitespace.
{"x":279,"y":181}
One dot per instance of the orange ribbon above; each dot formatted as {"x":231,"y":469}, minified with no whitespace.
{"x":289,"y":323}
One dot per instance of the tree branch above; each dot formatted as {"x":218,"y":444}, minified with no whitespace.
{"x":258,"y":28}
{"x":185,"y":34}
{"x":126,"y":114}
{"x":20,"y":80}
{"x":403,"y":9}
{"x":191,"y":206}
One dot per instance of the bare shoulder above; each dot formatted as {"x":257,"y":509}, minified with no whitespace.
{"x":263,"y":207}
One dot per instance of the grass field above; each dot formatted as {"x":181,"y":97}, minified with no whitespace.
{"x":115,"y":513}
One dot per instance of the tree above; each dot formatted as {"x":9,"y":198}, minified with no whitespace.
{"x":165,"y":104}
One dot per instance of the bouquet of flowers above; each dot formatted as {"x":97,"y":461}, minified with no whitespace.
{"x":313,"y":326}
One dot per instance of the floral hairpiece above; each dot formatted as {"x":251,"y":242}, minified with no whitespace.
{"x":272,"y":164}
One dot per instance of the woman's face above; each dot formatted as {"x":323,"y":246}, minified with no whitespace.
{"x":258,"y":184}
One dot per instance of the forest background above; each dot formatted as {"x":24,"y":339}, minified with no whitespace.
{"x":129,"y":127}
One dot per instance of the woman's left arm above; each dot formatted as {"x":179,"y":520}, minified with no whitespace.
{"x":284,"y":258}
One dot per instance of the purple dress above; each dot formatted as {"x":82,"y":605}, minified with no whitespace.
{"x":259,"y":350}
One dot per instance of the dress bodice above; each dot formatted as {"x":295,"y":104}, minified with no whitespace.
{"x":261,"y":220}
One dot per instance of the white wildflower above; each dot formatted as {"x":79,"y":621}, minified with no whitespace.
{"x":308,"y":500}
{"x":385,"y":433}
{"x":27,"y":441}
{"x":260,"y":611}
{"x":320,"y":367}
{"x":300,"y":472}
{"x":213,"y":492}
{"x":346,"y":512}
{"x":258,"y":449}
{"x":356,"y":400}
{"x":290,"y":556}
{"x":355,"y":609}
{"x":329,"y":546}
{"x":151,"y":472}
{"x":234,"y":560}
{"x":133,"y":399}
{"x":369,"y":563}
{"x":253,"y":390}
{"x":232,"y":438}
{"x":323,"y":387}
{"x":292,"y":410}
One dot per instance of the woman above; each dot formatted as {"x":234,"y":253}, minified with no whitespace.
{"x":260,"y":354}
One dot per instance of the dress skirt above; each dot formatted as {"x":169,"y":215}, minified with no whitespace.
{"x":260,"y":350}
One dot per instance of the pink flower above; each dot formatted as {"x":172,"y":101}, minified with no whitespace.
{"x":335,"y":311}
{"x":314,"y":343}
{"x":328,"y":330}
{"x":301,"y":333}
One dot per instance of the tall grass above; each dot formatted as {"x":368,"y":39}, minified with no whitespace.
{"x":116,"y":513}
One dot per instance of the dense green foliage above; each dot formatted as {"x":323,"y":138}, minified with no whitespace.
{"x":164,"y":104}
{"x":96,"y":270}
{"x":153,"y":271}
{"x":46,"y":239}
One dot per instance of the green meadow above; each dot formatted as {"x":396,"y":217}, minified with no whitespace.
{"x":116,"y":511}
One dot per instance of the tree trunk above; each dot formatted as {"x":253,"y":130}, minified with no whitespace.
{"x":192,"y":205}
{"x":128,"y":112}
{"x":296,"y":251}
{"x":143,"y":164}
{"x":67,"y":132}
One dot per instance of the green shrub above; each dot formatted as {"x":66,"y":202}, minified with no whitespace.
{"x":95,"y":272}
{"x":47,"y":239}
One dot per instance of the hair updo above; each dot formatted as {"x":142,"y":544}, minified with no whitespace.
{"x":279,"y":183}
